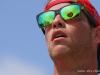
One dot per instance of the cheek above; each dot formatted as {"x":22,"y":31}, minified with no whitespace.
{"x":79,"y":34}
{"x":82,"y":35}
{"x":48,"y":32}
{"x":48,"y":36}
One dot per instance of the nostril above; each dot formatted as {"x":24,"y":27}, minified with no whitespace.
{"x":54,"y":26}
{"x":59,"y":25}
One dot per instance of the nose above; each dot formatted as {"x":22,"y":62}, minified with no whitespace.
{"x":58,"y":22}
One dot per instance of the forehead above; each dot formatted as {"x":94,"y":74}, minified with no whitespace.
{"x":58,"y":6}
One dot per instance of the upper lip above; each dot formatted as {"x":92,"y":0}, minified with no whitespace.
{"x":58,"y":33}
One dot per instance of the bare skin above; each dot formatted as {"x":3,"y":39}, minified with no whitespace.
{"x":76,"y":53}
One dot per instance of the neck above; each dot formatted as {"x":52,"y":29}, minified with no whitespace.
{"x":85,"y":64}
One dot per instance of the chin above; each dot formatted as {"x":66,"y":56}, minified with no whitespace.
{"x":58,"y":51}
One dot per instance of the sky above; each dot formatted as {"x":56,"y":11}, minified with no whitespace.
{"x":23,"y":49}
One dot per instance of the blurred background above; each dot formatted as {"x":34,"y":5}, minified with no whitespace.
{"x":23,"y":49}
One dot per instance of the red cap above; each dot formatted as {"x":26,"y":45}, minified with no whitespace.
{"x":85,"y":3}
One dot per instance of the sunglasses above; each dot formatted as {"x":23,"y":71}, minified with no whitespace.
{"x":68,"y":12}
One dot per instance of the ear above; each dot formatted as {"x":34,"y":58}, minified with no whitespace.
{"x":96,"y":34}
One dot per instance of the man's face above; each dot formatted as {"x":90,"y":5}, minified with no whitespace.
{"x":67,"y":37}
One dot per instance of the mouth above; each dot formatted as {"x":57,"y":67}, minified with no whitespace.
{"x":58,"y":35}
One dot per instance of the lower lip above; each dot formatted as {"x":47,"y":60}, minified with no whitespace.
{"x":59,"y":39}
